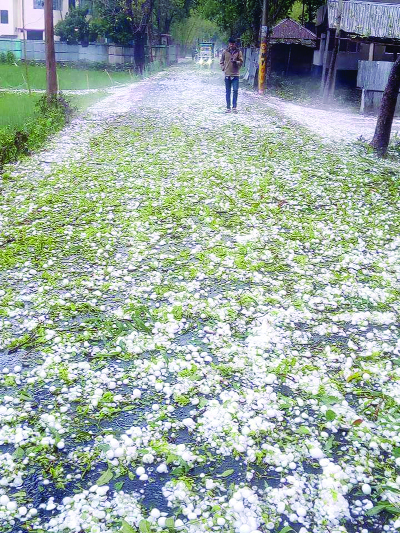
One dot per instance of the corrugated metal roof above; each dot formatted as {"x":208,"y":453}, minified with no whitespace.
{"x":289,"y":29}
{"x":369,"y":19}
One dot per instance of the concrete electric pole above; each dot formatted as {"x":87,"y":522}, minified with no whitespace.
{"x":51,"y":73}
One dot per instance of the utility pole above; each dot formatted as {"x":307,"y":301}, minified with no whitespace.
{"x":51,"y":73}
{"x":262,"y":63}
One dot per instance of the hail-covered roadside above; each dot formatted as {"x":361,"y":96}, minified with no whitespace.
{"x":199,"y":324}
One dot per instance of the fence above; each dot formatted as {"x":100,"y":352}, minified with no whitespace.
{"x":372,"y":79}
{"x":251,"y":56}
{"x":100,"y":53}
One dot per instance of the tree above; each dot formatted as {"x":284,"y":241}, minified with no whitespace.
{"x":74,"y":28}
{"x":383,"y":129}
{"x":51,"y":69}
{"x":190,"y":30}
{"x":125,"y":21}
{"x":169,"y":11}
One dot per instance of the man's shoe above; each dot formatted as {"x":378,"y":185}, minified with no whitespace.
{"x":228,"y":111}
{"x":234,"y":110}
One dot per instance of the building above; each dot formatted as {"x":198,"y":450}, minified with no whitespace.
{"x":21,"y":19}
{"x":292,"y":46}
{"x":370,"y":32}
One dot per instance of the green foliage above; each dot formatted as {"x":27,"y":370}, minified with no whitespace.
{"x":8,"y":57}
{"x":196,"y":28}
{"x":51,"y":116}
{"x":75,"y":27}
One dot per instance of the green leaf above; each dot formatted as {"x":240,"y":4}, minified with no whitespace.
{"x":104,"y":478}
{"x":170,"y":523}
{"x":227,"y":473}
{"x":118,"y":486}
{"x":144,"y":526}
{"x":304,"y":430}
{"x":171,"y":458}
{"x":127,"y":528}
{"x":19,"y":453}
{"x":329,"y":443}
{"x":396,"y":452}
{"x":329,"y":400}
{"x":330,"y":415}
{"x":286,"y":529}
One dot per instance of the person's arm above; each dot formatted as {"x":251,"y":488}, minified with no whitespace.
{"x":222,"y":61}
{"x":240,"y":59}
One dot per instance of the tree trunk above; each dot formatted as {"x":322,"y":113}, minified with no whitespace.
{"x":139,"y":51}
{"x":330,"y":78}
{"x":381,"y":139}
{"x":51,"y":72}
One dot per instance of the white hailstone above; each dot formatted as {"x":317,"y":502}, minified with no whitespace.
{"x":155,"y":513}
{"x":110,"y":455}
{"x":158,"y":387}
{"x":301,"y":511}
{"x":11,"y":506}
{"x":144,"y":477}
{"x":22,"y":511}
{"x":162,"y":468}
{"x":119,"y":452}
{"x":366,"y":489}
{"x":189,"y":422}
{"x":18,"y":482}
{"x":316,"y":453}
{"x":4,"y":499}
{"x":221,"y":521}
{"x":17,"y":369}
{"x":210,"y":484}
{"x":61,"y":445}
{"x":192,"y":516}
{"x":280,"y":507}
{"x":112,"y":385}
{"x":114,"y":444}
{"x":270,"y":379}
{"x":102,"y":491}
{"x":179,"y":524}
{"x":148,"y":458}
{"x":292,"y":465}
{"x":50,"y":506}
{"x":140,"y":471}
{"x":136,"y":393}
{"x":33,"y":512}
{"x":161,"y":521}
{"x":397,"y":461}
{"x":324,"y":462}
{"x":244,"y":528}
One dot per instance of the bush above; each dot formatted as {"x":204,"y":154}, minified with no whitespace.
{"x":52,"y":115}
{"x":8,"y":57}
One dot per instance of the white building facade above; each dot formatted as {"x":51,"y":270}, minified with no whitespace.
{"x":21,"y":19}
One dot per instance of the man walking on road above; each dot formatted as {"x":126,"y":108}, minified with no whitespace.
{"x":231,"y":61}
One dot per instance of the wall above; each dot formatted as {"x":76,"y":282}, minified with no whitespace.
{"x":8,"y":29}
{"x":99,"y":53}
{"x":372,"y":79}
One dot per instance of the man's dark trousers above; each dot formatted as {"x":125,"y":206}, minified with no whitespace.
{"x":231,"y":84}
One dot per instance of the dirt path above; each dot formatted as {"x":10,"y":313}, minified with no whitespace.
{"x":198,"y":320}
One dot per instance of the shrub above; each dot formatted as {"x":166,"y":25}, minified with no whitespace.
{"x":52,"y":115}
{"x":8,"y":57}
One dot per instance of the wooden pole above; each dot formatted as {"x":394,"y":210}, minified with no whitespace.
{"x":24,"y":39}
{"x":288,"y":61}
{"x":325,"y":60}
{"x":329,"y":88}
{"x":262,"y":62}
{"x":51,"y":72}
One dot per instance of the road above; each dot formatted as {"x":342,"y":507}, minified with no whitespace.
{"x":199,"y":322}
